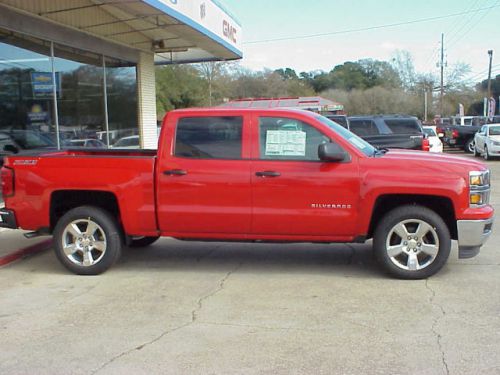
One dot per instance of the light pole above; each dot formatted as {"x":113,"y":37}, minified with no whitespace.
{"x":490,"y":53}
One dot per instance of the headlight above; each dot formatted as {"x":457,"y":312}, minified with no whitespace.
{"x":479,"y":178}
{"x":479,"y":192}
{"x":495,"y":143}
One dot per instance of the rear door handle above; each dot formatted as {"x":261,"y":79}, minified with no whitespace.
{"x":267,"y":174}
{"x":175,"y":172}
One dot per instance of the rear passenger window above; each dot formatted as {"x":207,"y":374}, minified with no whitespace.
{"x":403,"y":126}
{"x":363,"y":127}
{"x":209,"y":137}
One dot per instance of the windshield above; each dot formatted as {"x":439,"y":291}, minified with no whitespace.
{"x":353,"y":139}
{"x":495,"y":130}
{"x":430,"y":132}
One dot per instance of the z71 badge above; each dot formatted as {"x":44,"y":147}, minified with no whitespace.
{"x":26,"y":162}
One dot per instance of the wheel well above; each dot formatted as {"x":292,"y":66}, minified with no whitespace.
{"x":441,"y":205}
{"x":65,"y":200}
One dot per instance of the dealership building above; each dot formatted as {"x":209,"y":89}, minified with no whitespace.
{"x":86,"y":68}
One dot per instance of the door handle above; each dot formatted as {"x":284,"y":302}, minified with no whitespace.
{"x":268,"y":174}
{"x":175,"y":172}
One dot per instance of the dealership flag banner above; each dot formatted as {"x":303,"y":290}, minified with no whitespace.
{"x":492,"y":105}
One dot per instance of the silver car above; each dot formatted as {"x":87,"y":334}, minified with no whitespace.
{"x":487,"y":141}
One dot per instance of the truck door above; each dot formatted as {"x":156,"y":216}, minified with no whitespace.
{"x":203,"y":177}
{"x":293,"y":192}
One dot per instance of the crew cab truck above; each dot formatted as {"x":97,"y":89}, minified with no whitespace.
{"x":251,"y":175}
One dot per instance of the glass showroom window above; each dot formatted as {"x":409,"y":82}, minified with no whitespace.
{"x":26,"y":107}
{"x":121,"y":94}
{"x":96,"y":95}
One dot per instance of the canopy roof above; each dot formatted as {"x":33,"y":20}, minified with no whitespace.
{"x":176,"y":31}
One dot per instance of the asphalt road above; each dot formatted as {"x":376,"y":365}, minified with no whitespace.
{"x":226,"y":308}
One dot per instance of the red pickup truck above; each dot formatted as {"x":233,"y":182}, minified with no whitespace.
{"x":251,"y":175}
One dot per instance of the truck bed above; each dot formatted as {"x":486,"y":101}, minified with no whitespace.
{"x":126,"y":175}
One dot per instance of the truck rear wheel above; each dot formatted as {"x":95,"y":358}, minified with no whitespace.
{"x":470,"y":145}
{"x":412,"y":242}
{"x":87,"y":240}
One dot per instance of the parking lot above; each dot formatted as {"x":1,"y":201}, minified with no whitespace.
{"x":231,"y":308}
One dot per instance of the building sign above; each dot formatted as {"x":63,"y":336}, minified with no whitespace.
{"x":42,"y":84}
{"x":210,"y":15}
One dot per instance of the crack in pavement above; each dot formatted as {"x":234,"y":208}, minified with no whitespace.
{"x":194,"y":317}
{"x":434,"y":324}
{"x":194,"y":313}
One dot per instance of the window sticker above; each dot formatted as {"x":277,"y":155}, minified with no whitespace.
{"x":286,"y":143}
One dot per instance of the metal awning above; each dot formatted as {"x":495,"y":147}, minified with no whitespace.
{"x":175,"y":31}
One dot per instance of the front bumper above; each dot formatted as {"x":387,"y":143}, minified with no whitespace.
{"x":7,"y":219}
{"x":494,"y":150}
{"x":472,"y":234}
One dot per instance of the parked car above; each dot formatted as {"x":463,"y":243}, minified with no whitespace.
{"x":246,"y":175}
{"x":435,"y":144}
{"x":15,"y":141}
{"x":390,"y":131}
{"x":127,"y":142}
{"x":89,"y":143}
{"x":487,"y":141}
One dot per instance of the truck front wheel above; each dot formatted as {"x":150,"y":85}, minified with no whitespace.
{"x":87,"y":240}
{"x":412,"y":242}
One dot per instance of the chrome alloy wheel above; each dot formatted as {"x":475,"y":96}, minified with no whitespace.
{"x":412,"y":244}
{"x":84,"y":242}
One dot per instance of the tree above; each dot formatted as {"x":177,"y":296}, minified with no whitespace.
{"x":402,"y":62}
{"x":178,"y":86}
{"x":211,"y":71}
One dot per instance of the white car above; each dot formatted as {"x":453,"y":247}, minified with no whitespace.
{"x":435,"y":143}
{"x":487,"y":141}
{"x":128,"y":142}
{"x":91,"y":143}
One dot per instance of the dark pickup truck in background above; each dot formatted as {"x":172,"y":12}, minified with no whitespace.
{"x":460,"y":136}
{"x":390,"y":131}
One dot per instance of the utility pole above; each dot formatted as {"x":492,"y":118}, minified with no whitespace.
{"x":425,"y":105}
{"x":490,"y":53}
{"x":442,"y":77}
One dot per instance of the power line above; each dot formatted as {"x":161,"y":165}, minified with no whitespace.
{"x":453,"y":30}
{"x":472,"y":25}
{"x":420,"y":20}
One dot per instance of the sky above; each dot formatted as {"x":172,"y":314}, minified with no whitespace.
{"x":467,"y":36}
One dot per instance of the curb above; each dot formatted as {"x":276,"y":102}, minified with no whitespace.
{"x":23,"y":253}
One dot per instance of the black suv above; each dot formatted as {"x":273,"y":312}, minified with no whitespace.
{"x":391,"y":131}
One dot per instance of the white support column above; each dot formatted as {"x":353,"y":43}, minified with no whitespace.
{"x":146,"y":100}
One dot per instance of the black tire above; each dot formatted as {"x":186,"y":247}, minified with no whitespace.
{"x":99,"y":247}
{"x":469,"y":146}
{"x":486,"y":154}
{"x":437,"y":236}
{"x":142,"y":241}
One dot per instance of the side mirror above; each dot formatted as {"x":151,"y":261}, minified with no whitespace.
{"x":11,"y":148}
{"x":331,"y":152}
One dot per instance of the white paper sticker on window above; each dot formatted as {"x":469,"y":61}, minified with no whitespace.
{"x":286,"y":143}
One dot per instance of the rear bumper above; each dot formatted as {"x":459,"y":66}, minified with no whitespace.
{"x":7,"y":219}
{"x":472,"y":234}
